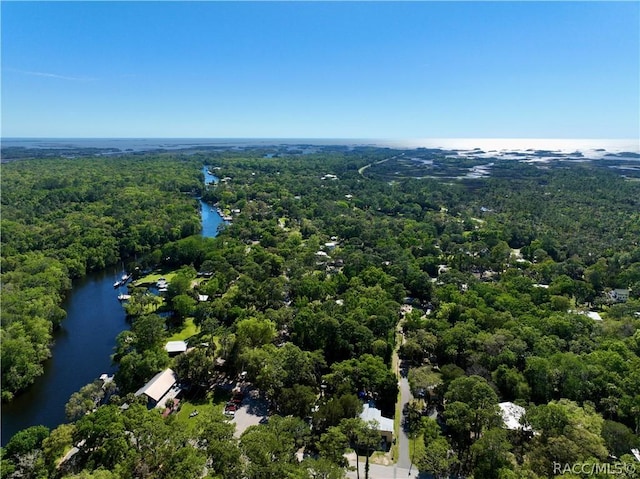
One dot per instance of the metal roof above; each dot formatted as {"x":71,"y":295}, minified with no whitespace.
{"x":373,"y":414}
{"x":158,"y":385}
{"x":176,"y":347}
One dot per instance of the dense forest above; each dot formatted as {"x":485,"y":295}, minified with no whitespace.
{"x":65,"y":217}
{"x":339,"y":272}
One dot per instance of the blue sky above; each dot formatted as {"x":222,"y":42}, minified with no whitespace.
{"x":321,"y":69}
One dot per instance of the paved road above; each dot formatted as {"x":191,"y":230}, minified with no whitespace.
{"x":404,"y":459}
{"x":377,"y":471}
{"x":361,"y":170}
{"x":402,"y":468}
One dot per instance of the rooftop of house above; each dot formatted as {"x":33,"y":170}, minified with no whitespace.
{"x":158,"y":385}
{"x":176,"y":347}
{"x":511,"y":414}
{"x":594,"y":315}
{"x":370,"y":413}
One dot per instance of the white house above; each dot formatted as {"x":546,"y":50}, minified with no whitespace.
{"x":619,"y":294}
{"x":622,"y":293}
{"x":384,"y":424}
{"x":511,"y":414}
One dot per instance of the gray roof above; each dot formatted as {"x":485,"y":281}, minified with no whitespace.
{"x":372,"y":414}
{"x":175,"y":347}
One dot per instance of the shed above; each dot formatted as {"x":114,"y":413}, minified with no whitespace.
{"x":175,"y":347}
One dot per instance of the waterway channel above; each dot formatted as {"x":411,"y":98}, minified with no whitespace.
{"x":83,"y":344}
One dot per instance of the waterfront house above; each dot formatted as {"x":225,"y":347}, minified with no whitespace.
{"x":160,"y":388}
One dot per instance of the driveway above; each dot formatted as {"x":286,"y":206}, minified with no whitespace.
{"x":404,"y":459}
{"x":251,"y":412}
{"x":377,"y":471}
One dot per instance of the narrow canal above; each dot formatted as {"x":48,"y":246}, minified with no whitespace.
{"x":83,"y":345}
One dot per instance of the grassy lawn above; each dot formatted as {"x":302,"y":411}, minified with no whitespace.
{"x":189,"y":329}
{"x":205,"y":407}
{"x":152,"y":278}
{"x":416,"y":448}
{"x":394,"y":451}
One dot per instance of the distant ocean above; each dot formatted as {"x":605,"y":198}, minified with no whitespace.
{"x":591,"y":146}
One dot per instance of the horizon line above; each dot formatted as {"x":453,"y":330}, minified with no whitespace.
{"x":310,"y":138}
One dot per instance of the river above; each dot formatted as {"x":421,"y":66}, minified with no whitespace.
{"x":211,"y":220}
{"x":83,"y":345}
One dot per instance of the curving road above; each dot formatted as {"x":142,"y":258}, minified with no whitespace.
{"x":361,"y":170}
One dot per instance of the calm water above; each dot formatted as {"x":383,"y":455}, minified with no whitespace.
{"x":516,"y":144}
{"x":81,"y":353}
{"x":211,"y":220}
{"x":83,"y":346}
{"x":146,"y":144}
